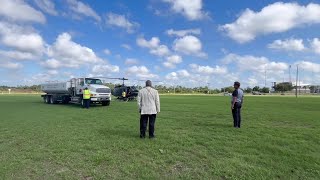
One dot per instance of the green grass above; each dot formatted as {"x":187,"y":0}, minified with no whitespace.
{"x":279,"y":139}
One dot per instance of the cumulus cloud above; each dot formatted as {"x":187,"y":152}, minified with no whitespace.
{"x":19,"y":10}
{"x":315,"y":45}
{"x":10,"y":65}
{"x":288,"y":45}
{"x":67,"y":53}
{"x":181,"y":33}
{"x":131,"y":61}
{"x":255,"y":64}
{"x":21,"y":38}
{"x":17,"y":55}
{"x":154,"y":46}
{"x":172,"y":61}
{"x":271,"y":19}
{"x":308,"y":66}
{"x":141,"y":72}
{"x":191,"y":9}
{"x":121,"y":21}
{"x":47,"y":6}
{"x":189,"y":45}
{"x":79,"y":8}
{"x":208,"y":70}
{"x":105,"y":69}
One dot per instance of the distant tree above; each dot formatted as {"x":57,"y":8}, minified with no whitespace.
{"x":227,"y":89}
{"x":256,"y":88}
{"x":282,"y":87}
{"x":215,"y":91}
{"x":248,"y":90}
{"x":265,"y":90}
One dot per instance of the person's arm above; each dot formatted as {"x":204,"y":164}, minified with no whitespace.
{"x":139,"y":101}
{"x":157,"y":102}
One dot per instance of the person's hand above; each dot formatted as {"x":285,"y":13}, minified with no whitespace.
{"x":232,"y":107}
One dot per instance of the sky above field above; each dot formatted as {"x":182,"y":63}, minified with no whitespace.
{"x":176,"y":42}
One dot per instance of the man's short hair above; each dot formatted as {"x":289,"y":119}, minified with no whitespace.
{"x":237,"y":83}
{"x":148,"y":83}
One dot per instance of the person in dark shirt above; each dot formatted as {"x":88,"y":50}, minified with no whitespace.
{"x":236,"y":104}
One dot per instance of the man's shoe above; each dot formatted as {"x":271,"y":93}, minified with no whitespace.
{"x":142,"y":136}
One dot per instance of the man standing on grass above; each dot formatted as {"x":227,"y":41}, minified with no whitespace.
{"x":236,"y":103}
{"x":149,"y":106}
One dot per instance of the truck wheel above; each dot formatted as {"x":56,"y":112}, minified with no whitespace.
{"x":106,"y":103}
{"x":47,"y":99}
{"x":52,"y":101}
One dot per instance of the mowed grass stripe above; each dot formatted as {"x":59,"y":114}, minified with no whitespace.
{"x":279,"y":139}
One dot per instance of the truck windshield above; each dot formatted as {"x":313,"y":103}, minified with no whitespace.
{"x":93,"y":81}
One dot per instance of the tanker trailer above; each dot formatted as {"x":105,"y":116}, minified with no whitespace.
{"x":72,"y":91}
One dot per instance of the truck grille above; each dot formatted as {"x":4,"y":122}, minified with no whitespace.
{"x":103,"y":90}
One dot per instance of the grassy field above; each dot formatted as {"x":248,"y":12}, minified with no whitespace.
{"x":279,"y":139}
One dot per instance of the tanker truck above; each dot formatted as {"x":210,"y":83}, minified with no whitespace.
{"x":72,"y":91}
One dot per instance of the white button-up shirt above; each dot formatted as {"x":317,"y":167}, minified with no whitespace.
{"x":148,"y":101}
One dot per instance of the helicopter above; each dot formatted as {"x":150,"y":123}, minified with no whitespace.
{"x":123,"y":92}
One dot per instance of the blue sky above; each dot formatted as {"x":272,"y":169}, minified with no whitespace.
{"x":176,"y":42}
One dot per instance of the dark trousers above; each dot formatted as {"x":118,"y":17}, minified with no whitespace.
{"x":236,"y":113}
{"x":143,"y":124}
{"x":86,"y":103}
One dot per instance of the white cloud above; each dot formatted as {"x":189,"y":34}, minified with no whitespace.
{"x":19,"y":10}
{"x":191,"y":9}
{"x":208,"y":70}
{"x":172,"y":76}
{"x":288,"y":45}
{"x":121,"y":21}
{"x":161,"y":51}
{"x":189,"y":45}
{"x":131,"y":61}
{"x":169,"y":65}
{"x":17,"y":55}
{"x":274,"y":18}
{"x":154,"y":46}
{"x":107,"y":51}
{"x":172,"y":61}
{"x":255,"y":64}
{"x":47,"y":6}
{"x":11,"y":65}
{"x":66,"y":53}
{"x":176,"y":59}
{"x":126,"y":46}
{"x":308,"y":66}
{"x":181,"y":33}
{"x":105,"y":69}
{"x":141,"y":72}
{"x":83,"y":9}
{"x":21,"y":38}
{"x":179,"y":75}
{"x":315,"y":45}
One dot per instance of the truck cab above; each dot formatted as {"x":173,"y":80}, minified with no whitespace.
{"x":99,"y":92}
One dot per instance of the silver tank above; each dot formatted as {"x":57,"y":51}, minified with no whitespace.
{"x":56,"y":87}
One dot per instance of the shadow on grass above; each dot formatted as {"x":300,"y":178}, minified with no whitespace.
{"x":69,"y":105}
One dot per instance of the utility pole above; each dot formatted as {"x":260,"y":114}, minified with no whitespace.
{"x":290,"y":73}
{"x":297,"y":74}
{"x":265,"y":77}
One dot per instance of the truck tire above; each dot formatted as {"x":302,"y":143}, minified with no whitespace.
{"x":106,"y":103}
{"x":52,"y":101}
{"x":47,"y":99}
